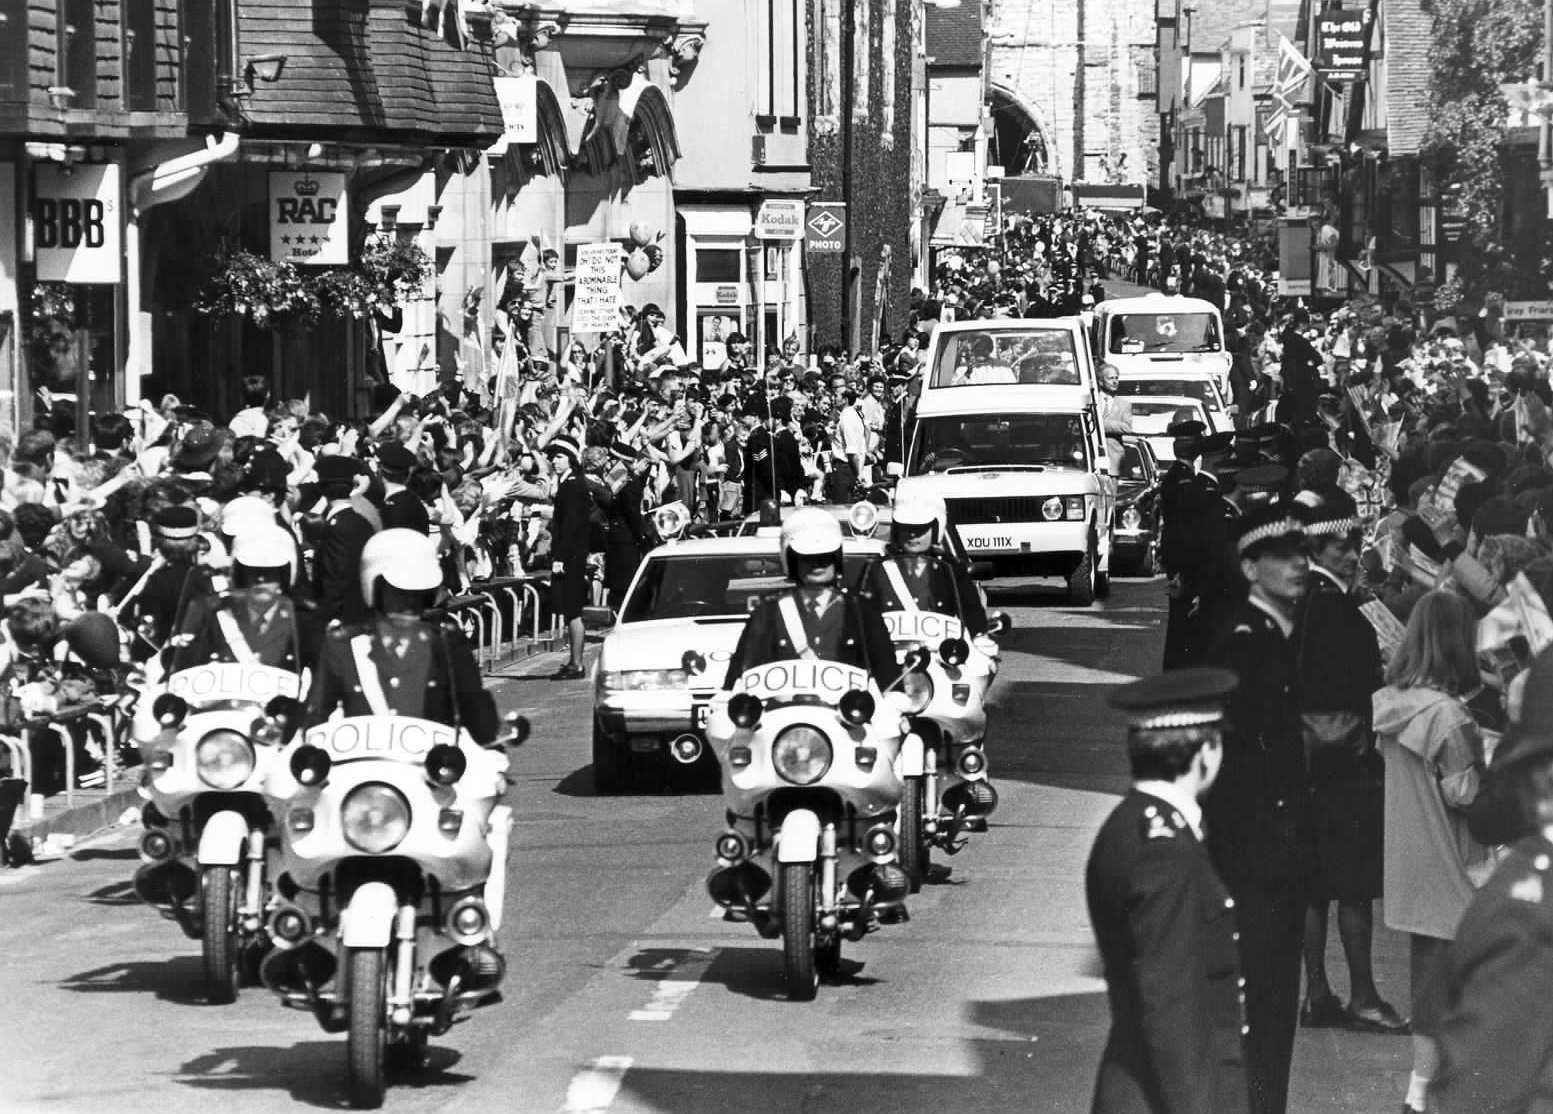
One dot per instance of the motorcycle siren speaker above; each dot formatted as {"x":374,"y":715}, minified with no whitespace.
{"x":310,"y":765}
{"x":155,"y":846}
{"x":972,"y":762}
{"x":856,"y":707}
{"x":169,"y":710}
{"x":730,"y":847}
{"x":954,"y":651}
{"x":445,"y":764}
{"x":744,"y":709}
{"x":686,"y":748}
{"x":468,"y":922}
{"x":288,"y":923}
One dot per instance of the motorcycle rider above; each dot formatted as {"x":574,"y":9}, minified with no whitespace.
{"x":920,"y":572}
{"x":257,"y":621}
{"x":396,"y":662}
{"x":818,"y":617}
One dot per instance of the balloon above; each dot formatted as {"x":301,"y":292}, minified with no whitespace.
{"x":94,"y":638}
{"x":654,"y":255}
{"x":993,"y":267}
{"x":637,"y":265}
{"x":641,"y":234}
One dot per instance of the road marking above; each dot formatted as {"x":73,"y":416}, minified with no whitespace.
{"x":676,"y":985}
{"x":593,"y":1089}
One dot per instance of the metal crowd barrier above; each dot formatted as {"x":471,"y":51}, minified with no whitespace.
{"x":104,"y":713}
{"x":497,"y":614}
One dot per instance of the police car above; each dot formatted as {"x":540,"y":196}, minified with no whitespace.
{"x":691,"y":595}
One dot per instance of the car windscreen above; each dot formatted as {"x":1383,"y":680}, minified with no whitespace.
{"x":708,"y":585}
{"x":1134,"y":467}
{"x":1132,"y":333}
{"x":1153,"y":418}
{"x":997,"y":440}
{"x":995,"y":356}
{"x":1200,"y":389}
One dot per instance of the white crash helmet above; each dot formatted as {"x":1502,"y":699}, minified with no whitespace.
{"x":406,"y":559}
{"x":916,"y":511}
{"x":265,"y":547}
{"x":245,"y":513}
{"x":810,"y":532}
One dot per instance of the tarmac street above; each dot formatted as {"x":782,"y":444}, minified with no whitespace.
{"x":626,"y":993}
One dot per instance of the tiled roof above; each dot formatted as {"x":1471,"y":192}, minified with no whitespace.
{"x":362,"y":65}
{"x":1408,"y":29}
{"x":1213,"y":20}
{"x":953,"y":35}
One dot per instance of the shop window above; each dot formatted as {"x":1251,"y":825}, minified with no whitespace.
{"x":76,"y":60}
{"x":718,"y":265}
{"x":139,"y":56}
{"x":13,"y":50}
{"x":780,"y":40}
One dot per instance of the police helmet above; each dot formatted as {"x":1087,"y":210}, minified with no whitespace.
{"x":405,"y":559}
{"x":246,"y":512}
{"x":810,"y":532}
{"x":264,"y":549}
{"x":913,"y":512}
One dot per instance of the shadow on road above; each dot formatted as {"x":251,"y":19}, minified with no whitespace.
{"x":310,"y":1072}
{"x":179,"y":980}
{"x":1042,"y":1057}
{"x":114,"y":894}
{"x":751,"y":972}
{"x":656,"y":777}
{"x":121,"y":854}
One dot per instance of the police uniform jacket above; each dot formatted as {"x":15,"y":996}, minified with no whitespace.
{"x":424,"y":670}
{"x":404,"y":509}
{"x":570,"y":531}
{"x":1165,"y":927}
{"x":1187,"y":500}
{"x":850,"y":632}
{"x":630,"y":536}
{"x":941,"y":586}
{"x":1258,"y":811}
{"x":282,"y":640}
{"x":1339,"y":659}
{"x":772,"y":466}
{"x":161,"y":596}
{"x":337,"y":566}
{"x":1496,"y":1036}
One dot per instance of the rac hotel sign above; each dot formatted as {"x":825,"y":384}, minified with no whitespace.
{"x":309,"y":218}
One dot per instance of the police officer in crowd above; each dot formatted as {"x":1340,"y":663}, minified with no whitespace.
{"x":150,"y":605}
{"x":1185,"y":501}
{"x":338,"y":541}
{"x":570,"y":542}
{"x":256,"y":622}
{"x":1258,"y":812}
{"x":819,"y":617}
{"x":401,"y":506}
{"x":1163,"y":920}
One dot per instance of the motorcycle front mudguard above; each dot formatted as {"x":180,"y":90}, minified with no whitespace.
{"x":368,"y":920}
{"x":799,"y":839}
{"x":223,"y":839}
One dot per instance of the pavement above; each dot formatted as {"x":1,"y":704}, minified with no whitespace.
{"x":627,"y":994}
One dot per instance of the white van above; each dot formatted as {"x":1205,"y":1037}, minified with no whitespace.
{"x":1007,"y":430}
{"x":1162,"y":332}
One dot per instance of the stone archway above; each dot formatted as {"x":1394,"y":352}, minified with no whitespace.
{"x":1022,"y":143}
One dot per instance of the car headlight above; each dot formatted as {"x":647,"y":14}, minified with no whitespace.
{"x":801,"y":755}
{"x":224,"y":759}
{"x":643,"y":680}
{"x":375,"y":818}
{"x":1132,"y":519}
{"x":1051,"y":509}
{"x":1073,"y":507}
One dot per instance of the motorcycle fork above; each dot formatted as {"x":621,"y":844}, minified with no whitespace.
{"x":943,"y":832}
{"x":827,"y":918}
{"x":401,"y":1000}
{"x":250,"y":915}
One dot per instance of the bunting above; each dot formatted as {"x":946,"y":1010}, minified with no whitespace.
{"x":1293,"y":71}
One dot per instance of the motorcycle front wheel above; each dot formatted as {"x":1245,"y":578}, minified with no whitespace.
{"x":914,"y":846}
{"x":368,"y":1027}
{"x":798,"y":932}
{"x":220,"y":947}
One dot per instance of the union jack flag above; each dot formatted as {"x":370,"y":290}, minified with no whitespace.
{"x":1293,"y":72}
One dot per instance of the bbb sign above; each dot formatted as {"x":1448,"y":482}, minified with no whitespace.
{"x":76,"y":223}
{"x":309,"y":218}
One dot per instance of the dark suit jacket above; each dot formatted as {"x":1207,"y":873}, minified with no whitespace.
{"x":569,"y":526}
{"x":865,"y":640}
{"x":404,"y":509}
{"x":437,"y":679}
{"x":288,"y":643}
{"x":1165,"y":927}
{"x":337,"y":567}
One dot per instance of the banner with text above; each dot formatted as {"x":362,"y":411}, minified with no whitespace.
{"x":596,"y":307}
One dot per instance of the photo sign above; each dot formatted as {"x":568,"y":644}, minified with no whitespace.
{"x":596,"y":307}
{"x":77,"y":223}
{"x":309,"y":218}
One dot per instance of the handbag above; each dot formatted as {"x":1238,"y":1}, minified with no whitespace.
{"x":1333,"y":732}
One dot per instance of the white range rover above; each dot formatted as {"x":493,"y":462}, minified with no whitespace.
{"x":1008,"y":431}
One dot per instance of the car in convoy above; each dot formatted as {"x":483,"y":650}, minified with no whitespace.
{"x":1136,"y":522}
{"x":1153,"y":415}
{"x":1201,"y":385}
{"x":1162,"y":332}
{"x":688,"y":595}
{"x":1008,"y":432}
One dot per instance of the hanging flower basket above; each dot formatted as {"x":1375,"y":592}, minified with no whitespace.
{"x":389,"y":273}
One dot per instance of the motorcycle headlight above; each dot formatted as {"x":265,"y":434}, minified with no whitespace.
{"x":1051,"y":509}
{"x":801,"y":755}
{"x":917,"y":688}
{"x":375,"y":818}
{"x":224,"y":759}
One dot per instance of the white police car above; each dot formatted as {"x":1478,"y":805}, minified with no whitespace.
{"x":692,"y":595}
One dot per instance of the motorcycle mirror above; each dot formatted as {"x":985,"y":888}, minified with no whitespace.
{"x":856,"y":707}
{"x":954,"y":651}
{"x":310,"y":765}
{"x":445,"y":764}
{"x":518,"y":729}
{"x":744,"y":709}
{"x":169,"y":710}
{"x":917,"y":660}
{"x":999,"y":622}
{"x":693,"y":663}
{"x":284,"y":708}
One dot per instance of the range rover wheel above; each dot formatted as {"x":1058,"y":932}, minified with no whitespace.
{"x":1082,"y":581}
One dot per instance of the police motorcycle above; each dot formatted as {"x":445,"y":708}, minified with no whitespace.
{"x":808,"y":749}
{"x":943,"y":763}
{"x":207,"y":745}
{"x":393,"y":838}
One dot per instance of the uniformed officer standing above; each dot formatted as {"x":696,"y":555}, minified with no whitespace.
{"x":150,"y":605}
{"x":401,"y":506}
{"x":818,"y":618}
{"x":571,"y":537}
{"x":1184,"y":502}
{"x":1259,"y":812}
{"x":339,"y":541}
{"x":1496,"y":1036}
{"x":1163,"y":921}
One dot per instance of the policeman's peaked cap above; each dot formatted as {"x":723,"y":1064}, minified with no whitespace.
{"x":1176,"y":699}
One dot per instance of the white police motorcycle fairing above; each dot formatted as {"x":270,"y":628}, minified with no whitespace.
{"x":390,"y":884}
{"x":207,"y":745}
{"x":808,"y":751}
{"x":943,"y":763}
